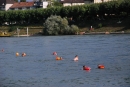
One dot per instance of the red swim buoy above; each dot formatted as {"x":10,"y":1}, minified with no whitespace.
{"x":101,"y":66}
{"x":86,"y":68}
{"x":54,"y":53}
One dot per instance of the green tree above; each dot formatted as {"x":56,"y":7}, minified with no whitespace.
{"x":65,"y":11}
{"x":2,"y":17}
{"x":55,"y":25}
{"x":56,"y":3}
{"x":16,"y":0}
{"x":125,"y":7}
{"x":22,"y":0}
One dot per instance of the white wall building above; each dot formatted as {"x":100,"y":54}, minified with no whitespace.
{"x":72,"y":2}
{"x":45,"y":4}
{"x":100,"y":1}
{"x":7,"y":6}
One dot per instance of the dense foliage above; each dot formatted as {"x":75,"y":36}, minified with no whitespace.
{"x":22,"y":0}
{"x":76,"y":13}
{"x":55,"y":25}
{"x":16,"y":0}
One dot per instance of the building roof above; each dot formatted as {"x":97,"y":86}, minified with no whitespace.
{"x":72,"y":1}
{"x":22,"y":4}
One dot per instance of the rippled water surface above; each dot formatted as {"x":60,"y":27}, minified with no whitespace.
{"x":40,"y":69}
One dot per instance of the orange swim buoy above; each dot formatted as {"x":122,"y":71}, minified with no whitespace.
{"x":86,"y":68}
{"x":58,"y":58}
{"x":101,"y":66}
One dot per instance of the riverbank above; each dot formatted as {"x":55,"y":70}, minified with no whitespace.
{"x":97,"y":33}
{"x":107,"y":26}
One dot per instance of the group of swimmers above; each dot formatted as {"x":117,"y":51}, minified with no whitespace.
{"x":23,"y":54}
{"x":60,"y":58}
{"x":17,"y":54}
{"x":76,"y":59}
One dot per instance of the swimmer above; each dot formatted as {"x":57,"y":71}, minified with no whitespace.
{"x":23,"y":54}
{"x":76,"y":58}
{"x":54,"y":53}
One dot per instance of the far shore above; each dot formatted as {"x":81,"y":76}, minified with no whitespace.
{"x":105,"y":33}
{"x":80,"y":33}
{"x":88,"y":27}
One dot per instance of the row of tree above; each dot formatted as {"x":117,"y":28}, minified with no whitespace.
{"x":76,"y":13}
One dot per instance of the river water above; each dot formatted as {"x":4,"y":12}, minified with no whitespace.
{"x":40,"y":69}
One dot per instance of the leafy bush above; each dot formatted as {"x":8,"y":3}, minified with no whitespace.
{"x":55,"y":25}
{"x":12,"y":29}
{"x":99,"y":25}
{"x":74,"y":29}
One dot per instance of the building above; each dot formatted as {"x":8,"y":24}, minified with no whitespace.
{"x":12,"y":5}
{"x":5,"y":4}
{"x":80,"y":2}
{"x":100,"y":1}
{"x":41,"y":4}
{"x":28,"y":5}
{"x":22,"y":6}
{"x":72,"y":2}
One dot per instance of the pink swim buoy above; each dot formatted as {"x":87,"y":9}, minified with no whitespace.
{"x":86,"y":68}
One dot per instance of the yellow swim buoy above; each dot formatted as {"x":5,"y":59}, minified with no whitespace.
{"x":17,"y":54}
